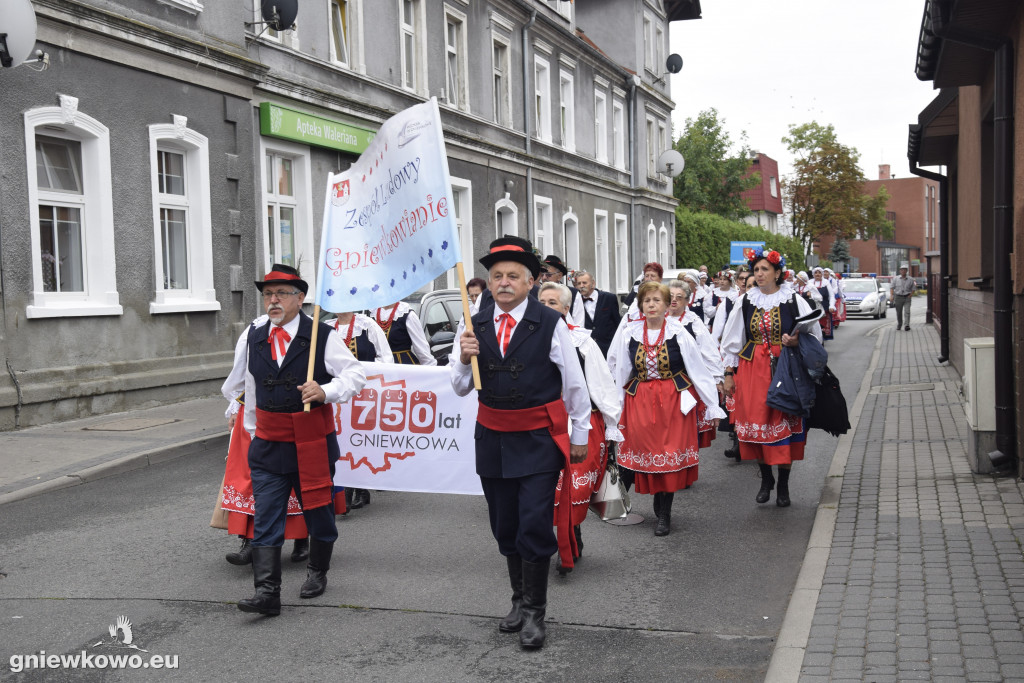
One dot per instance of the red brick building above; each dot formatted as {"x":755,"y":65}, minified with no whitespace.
{"x":764,"y":200}
{"x":913,"y":209}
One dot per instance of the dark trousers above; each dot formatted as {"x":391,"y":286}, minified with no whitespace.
{"x":902,"y":306}
{"x":270,"y":491}
{"x":521,"y":512}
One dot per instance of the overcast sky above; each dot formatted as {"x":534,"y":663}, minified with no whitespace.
{"x":766,"y":65}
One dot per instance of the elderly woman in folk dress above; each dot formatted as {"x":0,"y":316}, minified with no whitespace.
{"x":708,"y":350}
{"x":659,"y":367}
{"x":605,"y":408}
{"x":751,"y":342}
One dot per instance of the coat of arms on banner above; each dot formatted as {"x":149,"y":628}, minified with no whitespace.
{"x":340,"y":192}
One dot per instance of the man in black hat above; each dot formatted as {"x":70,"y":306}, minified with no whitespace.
{"x":291,"y":449}
{"x":553,"y":270}
{"x":532,"y":384}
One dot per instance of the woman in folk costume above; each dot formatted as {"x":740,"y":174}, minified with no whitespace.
{"x":723,"y":296}
{"x":836,"y":281}
{"x":751,"y":343}
{"x":700,"y":299}
{"x":404,"y":332}
{"x":680,"y":293}
{"x":804,"y":289}
{"x":828,"y":299}
{"x":658,"y":366}
{"x":236,"y":494}
{"x":605,"y":408}
{"x":368,"y":343}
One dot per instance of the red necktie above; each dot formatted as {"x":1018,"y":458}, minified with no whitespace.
{"x":505,"y":330}
{"x":278,"y":338}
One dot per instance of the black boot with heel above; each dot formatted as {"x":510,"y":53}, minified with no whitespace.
{"x":767,"y":483}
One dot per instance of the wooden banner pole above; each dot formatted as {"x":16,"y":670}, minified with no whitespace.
{"x":461,"y":273}
{"x":312,"y":350}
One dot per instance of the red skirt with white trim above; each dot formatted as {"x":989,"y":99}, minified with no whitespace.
{"x":764,"y":433}
{"x":587,"y":475}
{"x":705,"y":429}
{"x":660,"y":443}
{"x":236,"y":497}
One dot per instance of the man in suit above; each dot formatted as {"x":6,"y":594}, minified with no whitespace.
{"x":553,"y":270}
{"x":532,"y":385}
{"x":291,"y":449}
{"x":601,"y":310}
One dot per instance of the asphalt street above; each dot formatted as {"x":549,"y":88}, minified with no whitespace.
{"x":416,"y":584}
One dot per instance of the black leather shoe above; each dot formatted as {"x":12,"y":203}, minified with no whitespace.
{"x":767,"y":483}
{"x":360,"y":497}
{"x":316,"y":571}
{"x":513,"y":621}
{"x":266,"y":573}
{"x":782,"y":491}
{"x":300,"y":550}
{"x":243,"y":555}
{"x":664,"y":525}
{"x":535,"y":602}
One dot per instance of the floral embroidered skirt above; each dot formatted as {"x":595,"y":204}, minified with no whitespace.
{"x":587,"y":475}
{"x":660,"y":442}
{"x":764,"y":433}
{"x":705,"y":429}
{"x":236,"y":496}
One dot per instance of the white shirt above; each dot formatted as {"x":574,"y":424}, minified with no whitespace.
{"x":348,"y":375}
{"x":576,"y":312}
{"x":831,"y":292}
{"x":420,"y":346}
{"x":603,"y":392}
{"x":590,"y":306}
{"x":708,"y":347}
{"x":562,"y":354}
{"x":620,"y":362}
{"x":735,"y":336}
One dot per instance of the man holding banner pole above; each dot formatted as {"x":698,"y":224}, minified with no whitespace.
{"x":291,"y":448}
{"x":532,"y":385}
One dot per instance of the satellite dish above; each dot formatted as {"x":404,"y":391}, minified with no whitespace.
{"x":671,"y":163}
{"x":674,"y":63}
{"x":280,"y":14}
{"x":18,"y":21}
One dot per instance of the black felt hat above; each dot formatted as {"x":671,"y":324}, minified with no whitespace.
{"x":512,"y":249}
{"x":556,"y":262}
{"x":281,"y":274}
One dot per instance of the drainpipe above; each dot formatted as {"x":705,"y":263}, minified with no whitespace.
{"x":631,"y":113}
{"x":1005,"y":455}
{"x":943,"y":257}
{"x":530,"y":230}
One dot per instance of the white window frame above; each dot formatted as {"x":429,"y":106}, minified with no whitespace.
{"x":567,"y":109}
{"x":200,"y":294}
{"x":618,"y":133}
{"x":419,"y":47}
{"x":659,"y":49}
{"x":621,"y":228}
{"x":649,"y":41}
{"x":543,"y":224}
{"x":464,"y":223}
{"x":601,"y":126}
{"x":459,"y":52}
{"x":96,"y":204}
{"x":305,"y":253}
{"x":652,"y":152}
{"x":501,"y":102}
{"x":571,"y":239}
{"x":664,"y":252}
{"x":601,"y":246}
{"x":354,"y":22}
{"x":506,"y":217}
{"x":652,"y":243}
{"x":542,"y":98}
{"x":663,"y":145}
{"x":191,"y":6}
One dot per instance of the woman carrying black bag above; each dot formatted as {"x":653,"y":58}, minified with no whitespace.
{"x":751,"y":344}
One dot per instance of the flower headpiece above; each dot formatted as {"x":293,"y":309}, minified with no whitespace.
{"x":755,"y":254}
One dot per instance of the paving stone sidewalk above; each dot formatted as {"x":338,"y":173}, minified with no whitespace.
{"x":925,"y":576}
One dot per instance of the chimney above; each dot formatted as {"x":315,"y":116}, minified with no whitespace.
{"x":883,"y":172}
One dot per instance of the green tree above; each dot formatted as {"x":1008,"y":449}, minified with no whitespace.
{"x":713,"y":177}
{"x":840,"y":251}
{"x":703,"y":238}
{"x":825,"y":192}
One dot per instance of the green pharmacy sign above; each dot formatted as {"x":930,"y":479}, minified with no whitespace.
{"x":280,"y":122}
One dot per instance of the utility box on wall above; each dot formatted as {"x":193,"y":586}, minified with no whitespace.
{"x":979,"y":401}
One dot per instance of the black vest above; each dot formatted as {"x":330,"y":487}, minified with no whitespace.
{"x":524,"y":378}
{"x":399,"y":341}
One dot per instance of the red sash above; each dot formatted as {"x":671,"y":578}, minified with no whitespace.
{"x":553,"y":417}
{"x":307,"y":431}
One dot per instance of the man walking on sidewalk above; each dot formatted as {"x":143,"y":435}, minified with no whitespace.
{"x":903,"y":288}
